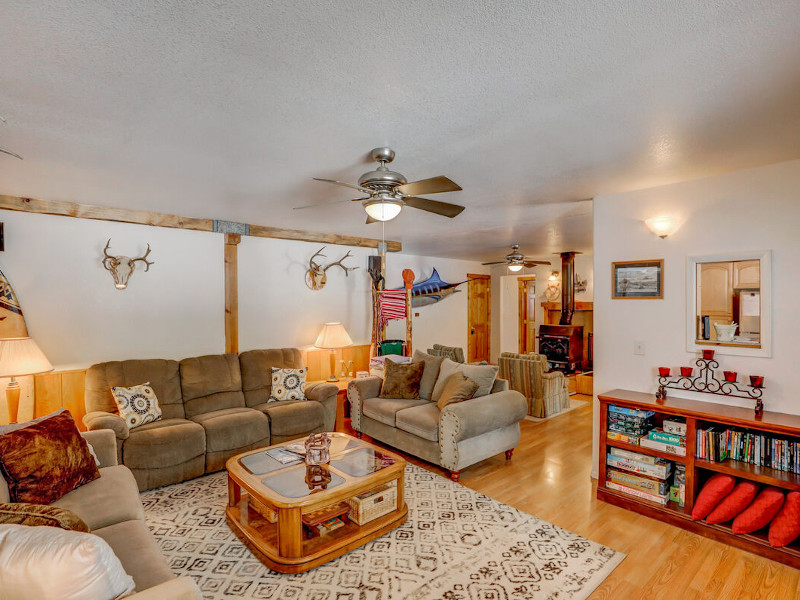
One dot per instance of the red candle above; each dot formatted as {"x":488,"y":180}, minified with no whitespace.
{"x":664,"y":371}
{"x":757,"y":381}
{"x":708,"y":354}
{"x":730,"y":376}
{"x":686,"y":371}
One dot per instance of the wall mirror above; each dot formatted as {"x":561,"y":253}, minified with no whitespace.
{"x":729,"y":303}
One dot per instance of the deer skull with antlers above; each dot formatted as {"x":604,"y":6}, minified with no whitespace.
{"x":316,"y":276}
{"x":121,"y":267}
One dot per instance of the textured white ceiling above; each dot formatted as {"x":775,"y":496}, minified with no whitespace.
{"x":226,"y":110}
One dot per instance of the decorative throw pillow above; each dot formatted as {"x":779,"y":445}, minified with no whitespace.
{"x":429,"y":374}
{"x":760,"y":512}
{"x":483,"y":375}
{"x":38,"y":515}
{"x":288,"y":384}
{"x":734,"y":503}
{"x":44,"y":562}
{"x":137,"y":405}
{"x":44,"y":461}
{"x":785,"y":527}
{"x":716,"y":488}
{"x":457,"y":389}
{"x":402,"y":381}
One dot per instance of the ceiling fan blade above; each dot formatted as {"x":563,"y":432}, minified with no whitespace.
{"x":434,"y":185}
{"x":10,"y":153}
{"x":440,"y":208}
{"x":371,"y":220}
{"x":342,"y":183}
{"x":497,"y":262}
{"x":324,"y":203}
{"x":533,"y":263}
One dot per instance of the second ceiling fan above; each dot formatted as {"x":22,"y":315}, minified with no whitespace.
{"x":387,"y":192}
{"x":516,"y":260}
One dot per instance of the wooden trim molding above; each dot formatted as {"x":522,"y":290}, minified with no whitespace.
{"x":232,"y":292}
{"x":140,"y":217}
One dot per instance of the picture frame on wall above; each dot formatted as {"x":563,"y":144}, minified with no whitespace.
{"x":642,"y":279}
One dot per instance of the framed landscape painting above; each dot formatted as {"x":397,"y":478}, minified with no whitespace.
{"x":637,"y":279}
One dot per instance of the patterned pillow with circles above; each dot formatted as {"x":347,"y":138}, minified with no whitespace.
{"x":137,"y":405}
{"x":288,"y":384}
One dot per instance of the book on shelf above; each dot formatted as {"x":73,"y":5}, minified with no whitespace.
{"x":717,"y":444}
{"x":662,"y":447}
{"x":623,"y":437}
{"x":659,"y":435}
{"x":661,"y":471}
{"x":639,"y":482}
{"x":638,"y":493}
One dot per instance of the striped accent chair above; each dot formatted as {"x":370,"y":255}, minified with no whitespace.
{"x":454,"y":353}
{"x":547,"y":391}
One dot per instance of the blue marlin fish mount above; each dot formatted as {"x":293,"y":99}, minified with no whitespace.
{"x":432,"y":290}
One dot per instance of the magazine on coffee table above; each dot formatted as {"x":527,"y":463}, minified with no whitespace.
{"x":283,"y":456}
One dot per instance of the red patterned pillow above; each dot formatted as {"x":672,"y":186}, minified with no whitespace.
{"x":734,"y":503}
{"x":760,"y":512}
{"x":785,"y":528}
{"x":715,"y":489}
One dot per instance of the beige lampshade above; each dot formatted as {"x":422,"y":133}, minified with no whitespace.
{"x":333,"y":335}
{"x":21,"y":356}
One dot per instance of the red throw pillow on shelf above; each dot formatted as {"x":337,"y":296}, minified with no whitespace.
{"x":785,"y":528}
{"x":715,"y":489}
{"x":734,"y":503}
{"x":760,"y":512}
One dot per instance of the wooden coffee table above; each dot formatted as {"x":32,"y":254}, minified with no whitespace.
{"x":268,"y":501}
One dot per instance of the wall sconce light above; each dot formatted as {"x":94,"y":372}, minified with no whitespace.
{"x":553,"y":276}
{"x":662,"y":225}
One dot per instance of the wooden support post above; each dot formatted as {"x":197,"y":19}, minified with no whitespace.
{"x":408,"y":280}
{"x":232,"y":292}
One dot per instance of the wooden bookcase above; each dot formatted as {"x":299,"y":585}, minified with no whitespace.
{"x":698,"y":471}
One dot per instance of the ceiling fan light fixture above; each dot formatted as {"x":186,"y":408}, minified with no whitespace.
{"x":383,"y":209}
{"x":515,"y":268}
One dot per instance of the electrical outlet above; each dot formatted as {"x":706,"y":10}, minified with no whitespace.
{"x":638,"y":348}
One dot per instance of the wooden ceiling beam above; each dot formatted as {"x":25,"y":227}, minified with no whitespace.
{"x":140,"y":217}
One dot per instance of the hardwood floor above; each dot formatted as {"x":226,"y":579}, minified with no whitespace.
{"x":549,"y":476}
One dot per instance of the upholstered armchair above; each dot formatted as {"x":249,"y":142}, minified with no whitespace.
{"x":547,"y":391}
{"x":454,"y":353}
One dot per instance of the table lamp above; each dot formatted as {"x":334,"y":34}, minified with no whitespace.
{"x":18,"y":357}
{"x":332,"y":337}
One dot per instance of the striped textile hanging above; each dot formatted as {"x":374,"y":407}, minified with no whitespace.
{"x":391,"y":305}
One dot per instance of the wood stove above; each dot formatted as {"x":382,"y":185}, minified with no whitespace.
{"x":562,"y":344}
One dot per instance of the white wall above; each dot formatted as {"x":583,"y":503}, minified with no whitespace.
{"x":754,"y":209}
{"x":584,"y":266}
{"x":78,"y":317}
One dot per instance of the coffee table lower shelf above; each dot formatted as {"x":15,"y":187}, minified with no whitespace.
{"x":261,"y":537}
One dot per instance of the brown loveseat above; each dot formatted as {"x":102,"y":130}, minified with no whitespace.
{"x":213,"y":407}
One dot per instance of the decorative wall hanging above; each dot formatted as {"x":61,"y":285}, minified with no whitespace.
{"x":12,"y":323}
{"x":553,"y":290}
{"x":432,"y":290}
{"x":637,"y":279}
{"x":122,"y":267}
{"x":580,"y":284}
{"x":316,"y":276}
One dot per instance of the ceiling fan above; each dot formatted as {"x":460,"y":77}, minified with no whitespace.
{"x":516,"y":260}
{"x":387,"y":192}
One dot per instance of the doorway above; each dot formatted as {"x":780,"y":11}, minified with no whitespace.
{"x":527,"y":314}
{"x":479,"y":317}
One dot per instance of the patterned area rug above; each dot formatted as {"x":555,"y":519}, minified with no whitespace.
{"x":457,"y":544}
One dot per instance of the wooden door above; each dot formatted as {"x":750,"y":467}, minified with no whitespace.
{"x":716,"y":293}
{"x":527,"y":314}
{"x":479,"y":317}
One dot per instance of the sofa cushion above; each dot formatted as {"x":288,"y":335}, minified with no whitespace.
{"x":764,"y":508}
{"x":233,"y":428}
{"x":45,"y":562}
{"x":256,"y":367}
{"x":163,"y":376}
{"x":40,"y":515}
{"x":402,"y":380}
{"x":137,"y":405}
{"x":112,"y":498}
{"x":457,"y":388}
{"x":785,"y":527}
{"x":429,"y":374}
{"x":44,"y":460}
{"x":293,"y":417}
{"x":734,"y":503}
{"x":163,"y":443}
{"x":385,"y":409}
{"x":288,"y":384}
{"x":422,"y":421}
{"x":714,"y":491}
{"x":483,"y":375}
{"x":138,"y":552}
{"x":210,"y":383}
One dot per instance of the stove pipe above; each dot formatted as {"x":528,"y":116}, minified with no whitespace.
{"x":567,"y":287}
